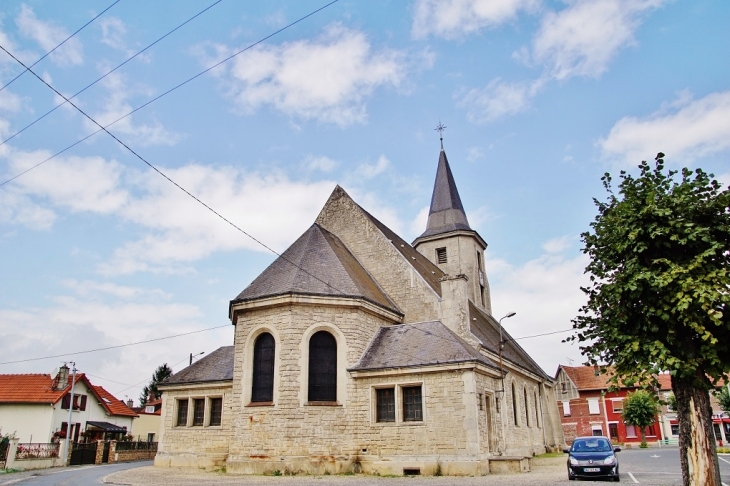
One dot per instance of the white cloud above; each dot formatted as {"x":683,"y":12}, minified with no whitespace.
{"x":113,"y":31}
{"x":474,"y":154}
{"x":48,"y":36}
{"x":545,"y":293}
{"x":117,"y":105}
{"x":498,"y":99}
{"x":326,"y":79}
{"x":321,"y":163}
{"x":456,"y":18}
{"x":418,"y":225}
{"x":684,"y":130}
{"x":583,"y":38}
{"x":368,"y":171}
{"x":91,"y":288}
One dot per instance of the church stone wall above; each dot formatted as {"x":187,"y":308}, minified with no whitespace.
{"x":194,"y":446}
{"x":523,"y":436}
{"x":344,"y":218}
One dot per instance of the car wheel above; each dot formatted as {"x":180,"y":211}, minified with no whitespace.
{"x":571,"y":478}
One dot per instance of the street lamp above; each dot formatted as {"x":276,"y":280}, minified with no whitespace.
{"x":501,"y":346}
{"x":194,"y":355}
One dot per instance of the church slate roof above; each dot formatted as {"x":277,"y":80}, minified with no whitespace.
{"x":421,"y":344}
{"x":446,"y":213}
{"x":486,"y":329}
{"x":217,"y":366}
{"x":318,"y":263}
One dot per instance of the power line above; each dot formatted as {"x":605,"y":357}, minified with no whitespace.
{"x":539,"y":335}
{"x":104,"y":76}
{"x":59,"y":45}
{"x":172,"y":89}
{"x":115,"y":347}
{"x":139,"y":383}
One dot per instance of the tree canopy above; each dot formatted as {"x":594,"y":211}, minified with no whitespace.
{"x":659,"y":289}
{"x":162,"y":372}
{"x":723,"y":398}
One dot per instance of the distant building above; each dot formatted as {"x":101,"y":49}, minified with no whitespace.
{"x":34,"y":407}
{"x":147,"y":426}
{"x":356,"y":351}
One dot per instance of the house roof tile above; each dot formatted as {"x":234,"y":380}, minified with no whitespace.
{"x":585,"y":378}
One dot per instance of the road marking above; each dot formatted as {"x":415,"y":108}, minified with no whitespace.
{"x":655,"y":456}
{"x":632,"y":477}
{"x":723,"y":460}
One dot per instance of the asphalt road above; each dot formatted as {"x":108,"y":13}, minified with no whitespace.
{"x":68,"y":476}
{"x":653,"y":466}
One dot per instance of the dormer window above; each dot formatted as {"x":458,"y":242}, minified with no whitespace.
{"x":149,"y":409}
{"x":441,"y":255}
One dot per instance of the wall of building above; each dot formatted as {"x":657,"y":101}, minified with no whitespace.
{"x":146,"y":424}
{"x":343,"y":217}
{"x":194,"y":446}
{"x":27,"y":421}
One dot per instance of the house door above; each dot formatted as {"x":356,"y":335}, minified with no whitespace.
{"x":105,"y":454}
{"x":613,"y":432}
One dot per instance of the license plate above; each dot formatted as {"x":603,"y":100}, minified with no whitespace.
{"x":591,"y":469}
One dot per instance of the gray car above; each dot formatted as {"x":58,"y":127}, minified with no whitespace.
{"x":592,"y":457}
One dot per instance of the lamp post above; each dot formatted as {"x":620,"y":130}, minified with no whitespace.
{"x":194,"y":355}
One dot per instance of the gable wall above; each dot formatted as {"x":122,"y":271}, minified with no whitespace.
{"x":27,"y":421}
{"x":377,"y":255}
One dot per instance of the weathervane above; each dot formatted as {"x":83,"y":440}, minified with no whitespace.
{"x":441,"y":129}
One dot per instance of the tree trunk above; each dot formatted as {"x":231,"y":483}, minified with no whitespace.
{"x":642,"y":432}
{"x":697,"y":451}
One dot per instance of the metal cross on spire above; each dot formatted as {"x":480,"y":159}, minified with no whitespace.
{"x":441,"y":129}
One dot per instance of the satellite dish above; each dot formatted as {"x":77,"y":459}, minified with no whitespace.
{"x":54,"y":372}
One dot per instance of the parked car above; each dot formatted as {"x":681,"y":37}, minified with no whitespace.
{"x":591,"y":457}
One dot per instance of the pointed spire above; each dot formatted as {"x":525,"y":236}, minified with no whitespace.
{"x":447,"y":212}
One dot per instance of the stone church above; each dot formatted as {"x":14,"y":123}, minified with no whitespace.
{"x":356,"y":351}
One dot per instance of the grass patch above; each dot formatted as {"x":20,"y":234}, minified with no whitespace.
{"x":549,"y":455}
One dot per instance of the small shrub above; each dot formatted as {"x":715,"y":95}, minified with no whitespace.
{"x":276,"y":472}
{"x":438,"y":471}
{"x":643,"y":446}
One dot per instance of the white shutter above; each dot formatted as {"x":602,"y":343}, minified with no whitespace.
{"x":593,"y":406}
{"x":566,"y":408}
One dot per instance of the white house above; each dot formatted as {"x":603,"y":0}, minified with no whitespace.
{"x":34,"y":407}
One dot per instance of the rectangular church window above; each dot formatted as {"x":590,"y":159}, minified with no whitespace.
{"x":198,"y":411}
{"x":182,"y":413}
{"x":216,"y":410}
{"x":441,"y":255}
{"x":412,"y":404}
{"x":385,"y":399}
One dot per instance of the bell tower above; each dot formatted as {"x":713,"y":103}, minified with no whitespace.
{"x":449,"y":242}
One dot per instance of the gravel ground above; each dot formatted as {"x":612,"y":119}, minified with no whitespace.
{"x":545,"y":471}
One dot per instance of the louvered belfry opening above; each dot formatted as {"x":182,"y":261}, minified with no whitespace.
{"x":263,"y":369}
{"x":322,"y":367}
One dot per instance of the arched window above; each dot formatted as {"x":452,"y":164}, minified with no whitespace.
{"x":264,"y":349}
{"x":527,"y":408}
{"x":322,"y":367}
{"x":537,"y":410}
{"x":514,"y":403}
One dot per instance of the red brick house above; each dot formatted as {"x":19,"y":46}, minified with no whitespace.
{"x":588,"y":408}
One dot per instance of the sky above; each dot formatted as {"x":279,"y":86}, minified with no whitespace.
{"x":540,"y":99}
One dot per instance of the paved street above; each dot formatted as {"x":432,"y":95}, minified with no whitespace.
{"x":654,"y":466}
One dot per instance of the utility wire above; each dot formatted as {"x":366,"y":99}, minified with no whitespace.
{"x":174,"y":87}
{"x":104,"y":76}
{"x":59,"y":45}
{"x":115,"y":347}
{"x":136,"y":385}
{"x":103,"y":128}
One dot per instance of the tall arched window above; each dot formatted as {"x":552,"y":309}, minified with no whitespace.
{"x":538,"y":408}
{"x":322,"y":367}
{"x":514,"y":403}
{"x":527,"y":407}
{"x":262,"y":389}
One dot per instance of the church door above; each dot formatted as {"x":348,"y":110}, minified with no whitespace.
{"x":491,"y":436}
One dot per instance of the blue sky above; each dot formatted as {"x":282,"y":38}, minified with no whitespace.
{"x":540,"y":99}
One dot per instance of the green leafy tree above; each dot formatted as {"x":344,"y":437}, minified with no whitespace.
{"x":162,"y":372}
{"x":723,"y":398}
{"x":672,"y":402}
{"x":640,"y":410}
{"x":659,"y":278}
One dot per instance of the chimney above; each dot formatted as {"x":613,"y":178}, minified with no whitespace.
{"x":151,"y":398}
{"x":130,"y":403}
{"x":62,"y":378}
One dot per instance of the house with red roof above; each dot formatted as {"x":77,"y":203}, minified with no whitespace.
{"x":587,"y":407}
{"x":147,"y":425}
{"x":35,"y":408}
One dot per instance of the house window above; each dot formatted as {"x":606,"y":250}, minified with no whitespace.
{"x":216,"y":409}
{"x":198,"y":411}
{"x":79,"y":402}
{"x":566,"y":409}
{"x":263,"y":369}
{"x":182,"y":413}
{"x":596,"y":430}
{"x":149,"y":409}
{"x":151,"y":437}
{"x":651,"y":432}
{"x":618,"y":406}
{"x":527,"y":407}
{"x":412,"y":404}
{"x":385,"y":402}
{"x":563,"y":387}
{"x":514,"y":404}
{"x":441,"y":255}
{"x":631,"y":431}
{"x":322,"y":367}
{"x":537,"y":411}
{"x":593,"y":408}
{"x":675,"y":429}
